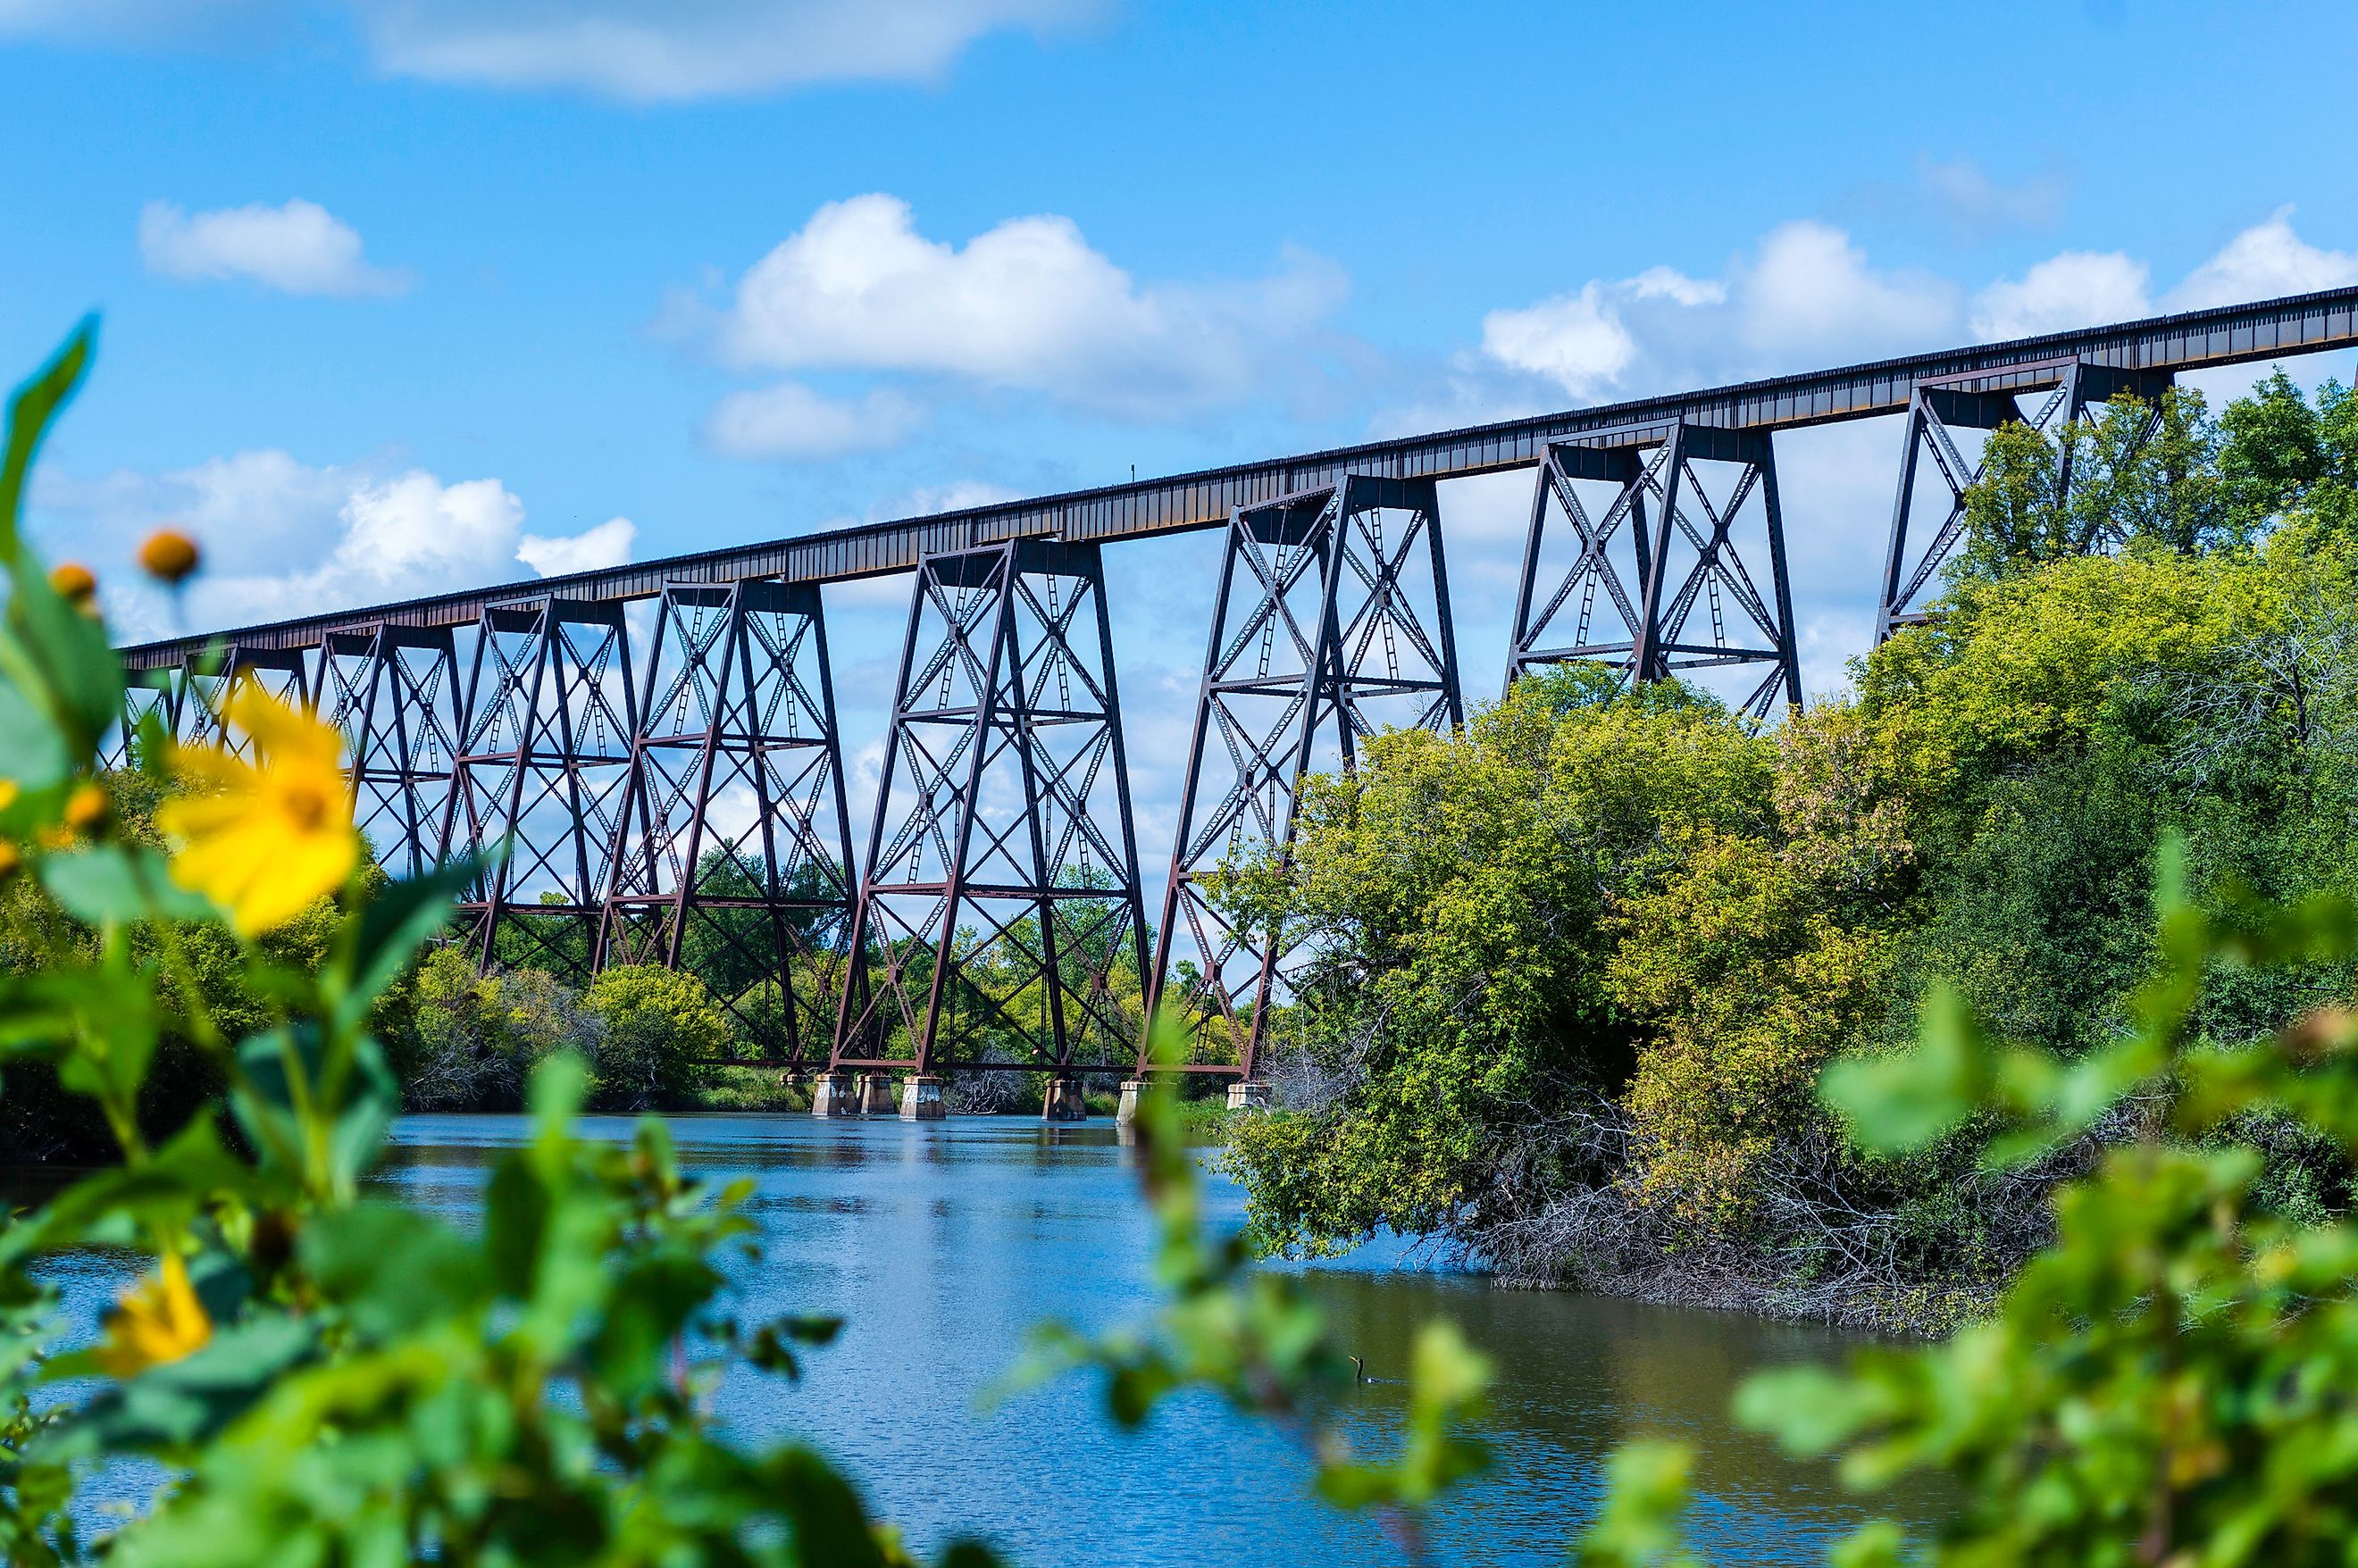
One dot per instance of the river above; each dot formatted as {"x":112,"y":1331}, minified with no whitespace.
{"x":941,"y":1244}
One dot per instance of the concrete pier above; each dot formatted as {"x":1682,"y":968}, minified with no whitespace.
{"x":1126,"y":1114}
{"x":834,"y":1095}
{"x":921,"y":1099}
{"x":1063,"y":1101}
{"x":875,"y":1093}
{"x":1247,"y":1095}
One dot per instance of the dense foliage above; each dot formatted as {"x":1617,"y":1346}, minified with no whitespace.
{"x":1577,"y":969}
{"x":2169,"y":1381}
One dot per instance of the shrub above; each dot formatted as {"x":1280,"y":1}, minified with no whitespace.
{"x":654,"y":1025}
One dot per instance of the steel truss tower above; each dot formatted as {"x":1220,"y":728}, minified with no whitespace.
{"x":1000,"y":921}
{"x":542,"y":759}
{"x":1676,"y":536}
{"x":2076,"y":390}
{"x":735,"y":855}
{"x":393,"y":691}
{"x":1331,"y":621}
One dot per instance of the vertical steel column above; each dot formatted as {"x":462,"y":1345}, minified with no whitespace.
{"x":394,"y":692}
{"x":1321,"y":625}
{"x":999,"y":914}
{"x":2076,"y":391}
{"x":543,"y":758}
{"x":1689,"y":560}
{"x":735,"y":859}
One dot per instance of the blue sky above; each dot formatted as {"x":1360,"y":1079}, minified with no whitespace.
{"x":403,"y":294}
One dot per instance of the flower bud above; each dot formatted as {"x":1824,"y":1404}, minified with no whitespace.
{"x":73,"y":582}
{"x":168,"y":556}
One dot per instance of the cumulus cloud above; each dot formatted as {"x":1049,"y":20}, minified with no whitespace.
{"x":592,"y":549}
{"x":2266,"y":259}
{"x":1805,"y":293}
{"x":2077,"y":288}
{"x":620,"y":48}
{"x":1581,"y":339}
{"x":297,"y":248}
{"x":1808,"y":296}
{"x":1028,"y":305}
{"x":790,"y":420}
{"x":282,"y":537}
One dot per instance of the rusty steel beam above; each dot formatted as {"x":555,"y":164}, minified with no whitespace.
{"x":2226,"y":335}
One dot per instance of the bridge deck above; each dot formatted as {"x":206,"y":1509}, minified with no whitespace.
{"x":2192,"y":341}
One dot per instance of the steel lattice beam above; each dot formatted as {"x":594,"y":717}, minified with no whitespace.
{"x":1651,"y":581}
{"x":735,"y":858}
{"x":1331,"y":621}
{"x":1000,"y":919}
{"x":544,"y":757}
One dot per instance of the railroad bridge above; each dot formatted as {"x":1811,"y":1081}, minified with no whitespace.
{"x":994,"y":899}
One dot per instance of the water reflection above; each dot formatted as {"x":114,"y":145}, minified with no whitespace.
{"x":944,"y":1242}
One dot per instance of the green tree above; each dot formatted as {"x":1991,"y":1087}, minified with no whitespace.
{"x":1456,"y":894}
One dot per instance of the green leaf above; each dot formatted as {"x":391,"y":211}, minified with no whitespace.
{"x":35,"y":404}
{"x":359,"y":1103}
{"x":829,"y":1525}
{"x":109,"y":883}
{"x":70,"y":651}
{"x":188,"y":1400}
{"x":1897,"y":1103}
{"x":397,"y":921}
{"x":393,"y":1268}
{"x":31,"y":751}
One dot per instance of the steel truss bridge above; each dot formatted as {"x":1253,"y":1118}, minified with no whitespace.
{"x":684,"y":804}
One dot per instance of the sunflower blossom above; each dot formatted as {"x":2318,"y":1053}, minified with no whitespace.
{"x":157,"y":1322}
{"x":263,"y":838}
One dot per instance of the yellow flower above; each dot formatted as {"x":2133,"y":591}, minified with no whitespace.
{"x":157,"y":1322}
{"x":8,"y":794}
{"x":265,"y":838}
{"x":86,"y":808}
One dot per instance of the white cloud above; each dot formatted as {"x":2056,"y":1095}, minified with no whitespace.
{"x":593,"y":549}
{"x":688,"y":48}
{"x":2266,"y":259}
{"x":281,"y":537}
{"x":620,"y":48}
{"x":1027,"y":306}
{"x":2077,"y":288}
{"x":1965,"y":193}
{"x":136,"y":21}
{"x":1810,"y":291}
{"x":790,"y":420}
{"x":297,"y":248}
{"x":1806,"y":294}
{"x":1579,"y":340}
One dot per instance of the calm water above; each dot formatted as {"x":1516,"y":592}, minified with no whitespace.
{"x":942,"y":1242}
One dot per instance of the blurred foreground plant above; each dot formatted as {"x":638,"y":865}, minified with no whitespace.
{"x":323,"y":1378}
{"x":2174,"y":1380}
